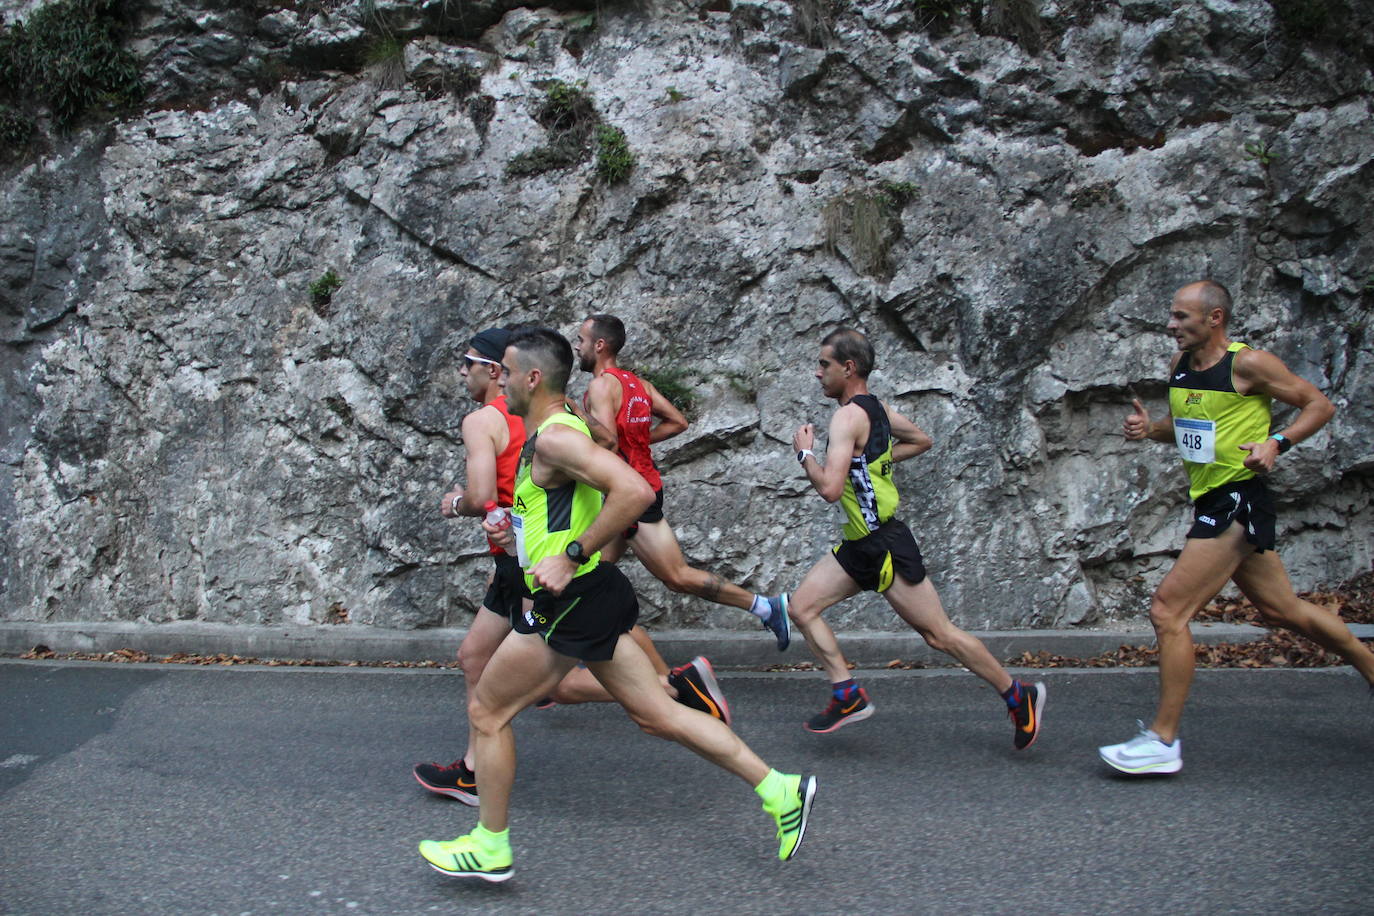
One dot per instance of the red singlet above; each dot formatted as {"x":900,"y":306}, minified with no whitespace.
{"x":509,"y":460}
{"x":633,"y":424}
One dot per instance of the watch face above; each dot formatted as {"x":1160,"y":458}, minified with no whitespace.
{"x":575,"y":552}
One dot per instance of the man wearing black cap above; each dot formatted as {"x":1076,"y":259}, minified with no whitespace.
{"x":493,"y":438}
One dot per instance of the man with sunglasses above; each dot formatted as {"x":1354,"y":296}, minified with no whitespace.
{"x":634,"y":415}
{"x":571,"y":497}
{"x":493,"y":437}
{"x":878,"y":552}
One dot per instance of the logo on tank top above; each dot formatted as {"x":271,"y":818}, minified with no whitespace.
{"x":1194,"y":398}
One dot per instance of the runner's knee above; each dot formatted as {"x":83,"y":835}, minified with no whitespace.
{"x":1167,"y":617}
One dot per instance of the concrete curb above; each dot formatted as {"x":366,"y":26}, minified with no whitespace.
{"x":725,"y":648}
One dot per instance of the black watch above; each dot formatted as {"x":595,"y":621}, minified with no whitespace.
{"x":576,"y":553}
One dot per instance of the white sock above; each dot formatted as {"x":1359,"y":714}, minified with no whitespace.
{"x":761,"y":609}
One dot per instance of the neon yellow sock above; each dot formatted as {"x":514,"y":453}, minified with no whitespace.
{"x":773,"y":790}
{"x":490,"y":840}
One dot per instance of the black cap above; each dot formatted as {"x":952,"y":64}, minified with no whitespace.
{"x":491,"y":343}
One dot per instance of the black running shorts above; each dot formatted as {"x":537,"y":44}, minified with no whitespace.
{"x":586,"y":621}
{"x":507,"y":587}
{"x":652,"y":514}
{"x":1248,"y":502}
{"x":874,"y":559}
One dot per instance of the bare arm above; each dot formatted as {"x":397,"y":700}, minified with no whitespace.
{"x":603,"y":403}
{"x":847,"y":426}
{"x":911,"y":439}
{"x":563,"y":453}
{"x":484,"y":435}
{"x":1258,"y":372}
{"x":670,"y":419}
{"x":603,"y":437}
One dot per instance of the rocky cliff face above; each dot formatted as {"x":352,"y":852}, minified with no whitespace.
{"x":1004,"y":202}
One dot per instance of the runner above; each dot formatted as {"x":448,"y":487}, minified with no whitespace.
{"x":878,"y":552}
{"x":493,"y":438}
{"x":626,"y":406}
{"x":582,"y":609}
{"x":1220,"y":392}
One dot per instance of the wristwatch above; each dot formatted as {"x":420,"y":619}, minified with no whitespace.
{"x":1284,"y":443}
{"x":801,"y":455}
{"x":576,"y":553}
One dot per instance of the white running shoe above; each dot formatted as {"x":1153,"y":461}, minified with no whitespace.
{"x":1144,"y":754}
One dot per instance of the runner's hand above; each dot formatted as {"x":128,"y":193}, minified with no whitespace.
{"x":1137,"y":425}
{"x":448,"y":506}
{"x":804,"y":437}
{"x":1262,"y":455}
{"x":553,"y":573}
{"x":503,"y":537}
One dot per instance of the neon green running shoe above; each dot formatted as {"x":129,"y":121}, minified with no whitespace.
{"x":467,"y":858}
{"x":793,"y":818}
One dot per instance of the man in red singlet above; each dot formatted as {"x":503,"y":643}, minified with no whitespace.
{"x":627,"y":406}
{"x":493,"y":438}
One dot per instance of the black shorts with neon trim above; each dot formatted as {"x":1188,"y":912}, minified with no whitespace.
{"x":507,"y":588}
{"x":586,"y":621}
{"x":652,"y":514}
{"x":875,"y":558}
{"x":1248,"y":502}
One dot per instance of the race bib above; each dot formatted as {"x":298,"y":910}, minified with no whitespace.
{"x":1197,"y":440}
{"x":517,"y":527}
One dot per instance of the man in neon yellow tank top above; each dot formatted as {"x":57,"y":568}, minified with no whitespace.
{"x":582,"y":610}
{"x":1219,"y":419}
{"x":878,"y":553}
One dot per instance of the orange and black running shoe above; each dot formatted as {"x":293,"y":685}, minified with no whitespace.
{"x":695,"y":683}
{"x":841,"y":712}
{"x":454,"y":780}
{"x":1025,"y":716}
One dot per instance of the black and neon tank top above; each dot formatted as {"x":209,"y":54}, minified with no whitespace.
{"x":547,"y":521}
{"x":1212,"y":420}
{"x":870,"y":497}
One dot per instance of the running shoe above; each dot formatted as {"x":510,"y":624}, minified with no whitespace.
{"x":1144,"y":754}
{"x":841,"y":712}
{"x":467,"y":858}
{"x":695,"y":683}
{"x":777,"y":621}
{"x":454,"y":780}
{"x":794,"y":816}
{"x":1025,"y":717}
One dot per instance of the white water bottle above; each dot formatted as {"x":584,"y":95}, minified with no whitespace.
{"x":497,"y":516}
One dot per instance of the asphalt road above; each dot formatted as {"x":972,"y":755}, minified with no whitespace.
{"x":182,"y":790}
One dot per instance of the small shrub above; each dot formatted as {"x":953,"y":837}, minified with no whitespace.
{"x":672,"y":383}
{"x":674,"y":96}
{"x":868,"y":220}
{"x":614,"y":161}
{"x":385,"y":59}
{"x":15,"y":128}
{"x":67,"y":57}
{"x":322,"y":290}
{"x":1260,"y":152}
{"x":900,"y":193}
{"x":566,"y":106}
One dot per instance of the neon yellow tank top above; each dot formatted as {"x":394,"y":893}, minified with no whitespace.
{"x":1211,"y":421}
{"x":870,"y":496}
{"x":547,"y":521}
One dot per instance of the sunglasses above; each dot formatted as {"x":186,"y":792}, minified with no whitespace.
{"x":469,"y":360}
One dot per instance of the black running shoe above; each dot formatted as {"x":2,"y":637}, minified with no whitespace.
{"x":1025,"y":717}
{"x":454,"y":780}
{"x":840,"y":713}
{"x":777,"y":621}
{"x":695,"y":683}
